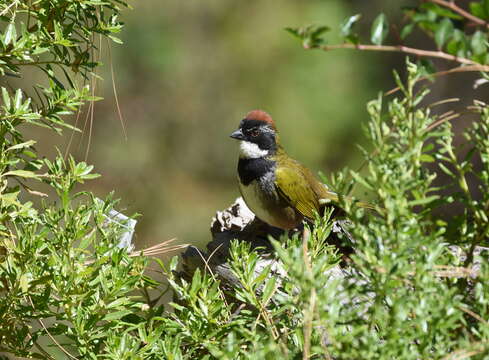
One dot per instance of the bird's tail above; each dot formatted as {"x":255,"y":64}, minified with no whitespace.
{"x":332,"y":197}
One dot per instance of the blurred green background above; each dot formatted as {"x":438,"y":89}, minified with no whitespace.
{"x":186,"y":75}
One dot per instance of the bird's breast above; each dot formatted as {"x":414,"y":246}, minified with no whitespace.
{"x":257,"y":186}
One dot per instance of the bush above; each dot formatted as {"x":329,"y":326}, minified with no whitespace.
{"x":63,"y":278}
{"x":416,"y":286}
{"x":405,"y":293}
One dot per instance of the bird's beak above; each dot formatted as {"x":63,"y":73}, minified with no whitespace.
{"x":238,"y":134}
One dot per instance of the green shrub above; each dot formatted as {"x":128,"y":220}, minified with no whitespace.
{"x":63,"y":279}
{"x":416,"y":286}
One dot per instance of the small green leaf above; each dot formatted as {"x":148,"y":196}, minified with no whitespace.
{"x":18,"y":99}
{"x":10,"y":34}
{"x":445,"y":169}
{"x":293,"y":31}
{"x":425,"y":200}
{"x":347,"y":25}
{"x":116,"y":315}
{"x":269,"y":289}
{"x":314,"y":36}
{"x":441,"y":11}
{"x":6,"y":98}
{"x":427,"y":158}
{"x":262,"y":276}
{"x":453,"y":47}
{"x":407,"y":30}
{"x":9,"y":198}
{"x":196,"y":283}
{"x":443,"y":32}
{"x":21,"y":173}
{"x":24,"y":281}
{"x":115,"y":39}
{"x":380,"y":29}
{"x":478,"y":43}
{"x":22,"y":145}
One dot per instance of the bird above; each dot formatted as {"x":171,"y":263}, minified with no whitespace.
{"x":278,"y":189}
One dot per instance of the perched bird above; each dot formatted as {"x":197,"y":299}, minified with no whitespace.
{"x":278,"y":189}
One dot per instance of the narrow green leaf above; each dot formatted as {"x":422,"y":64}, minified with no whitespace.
{"x":10,"y":34}
{"x":22,"y":145}
{"x":441,"y":11}
{"x":443,"y":32}
{"x":425,"y":200}
{"x":24,"y":281}
{"x":347,"y":25}
{"x":407,"y":30}
{"x":380,"y":29}
{"x":115,"y":39}
{"x":269,"y":289}
{"x":261,"y":277}
{"x":90,"y":176}
{"x":9,"y":198}
{"x":118,"y":302}
{"x":293,"y":31}
{"x":18,"y":99}
{"x":6,"y":98}
{"x":478,"y":43}
{"x":21,"y":173}
{"x":116,"y":315}
{"x":196,"y":283}
{"x":427,"y":158}
{"x":446,"y":170}
{"x":453,"y":47}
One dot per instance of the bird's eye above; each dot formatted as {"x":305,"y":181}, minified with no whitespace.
{"x":254,"y":132}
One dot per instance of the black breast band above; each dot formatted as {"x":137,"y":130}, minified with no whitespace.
{"x":253,"y":169}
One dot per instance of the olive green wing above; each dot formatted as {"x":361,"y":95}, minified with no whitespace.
{"x":304,"y":192}
{"x":297,"y":186}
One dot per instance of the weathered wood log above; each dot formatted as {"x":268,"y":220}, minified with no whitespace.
{"x":238,"y":222}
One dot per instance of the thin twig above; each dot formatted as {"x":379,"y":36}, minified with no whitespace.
{"x":402,"y":49}
{"x":207,"y":267}
{"x":441,"y":121}
{"x":158,"y":249}
{"x":473,"y":314}
{"x":36,"y":63}
{"x":114,"y":88}
{"x":444,"y":101}
{"x":470,"y":68}
{"x":39,"y":347}
{"x":454,"y":7}
{"x":78,"y":113}
{"x":94,"y":84}
{"x":51,"y":336}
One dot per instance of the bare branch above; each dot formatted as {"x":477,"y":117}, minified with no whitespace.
{"x":405,"y":50}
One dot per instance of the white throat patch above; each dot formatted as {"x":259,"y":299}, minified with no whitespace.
{"x":249,"y":150}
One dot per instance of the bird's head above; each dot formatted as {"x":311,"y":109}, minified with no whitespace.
{"x":257,"y":135}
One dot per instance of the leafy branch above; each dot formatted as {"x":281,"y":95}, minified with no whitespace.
{"x":432,"y":17}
